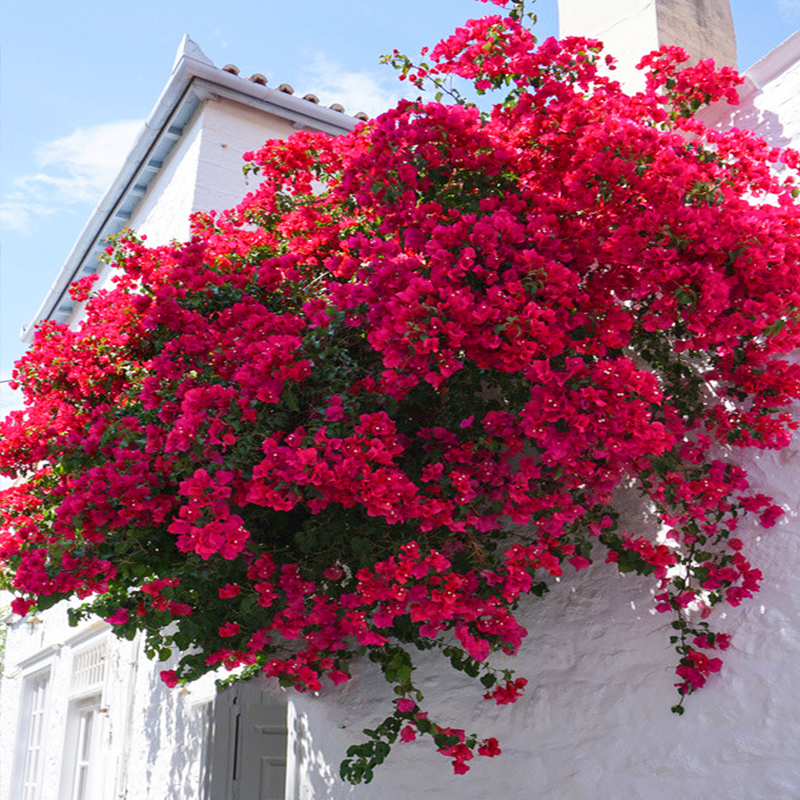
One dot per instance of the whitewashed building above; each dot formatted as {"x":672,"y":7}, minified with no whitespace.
{"x":85,"y":717}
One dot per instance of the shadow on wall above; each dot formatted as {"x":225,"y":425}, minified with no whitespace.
{"x":767,"y":124}
{"x":309,"y":775}
{"x":176,"y":732}
{"x":747,"y":116}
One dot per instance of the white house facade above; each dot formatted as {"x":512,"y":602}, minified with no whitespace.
{"x":85,"y":717}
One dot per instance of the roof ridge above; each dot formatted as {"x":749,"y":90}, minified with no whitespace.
{"x":188,"y":48}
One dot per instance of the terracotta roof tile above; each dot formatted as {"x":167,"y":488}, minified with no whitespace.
{"x":286,"y":88}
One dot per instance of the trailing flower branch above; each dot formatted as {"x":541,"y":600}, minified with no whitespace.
{"x":397,"y":388}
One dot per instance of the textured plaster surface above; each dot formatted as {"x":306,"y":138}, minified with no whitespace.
{"x":230,"y":130}
{"x":205,"y":171}
{"x":595,"y":721}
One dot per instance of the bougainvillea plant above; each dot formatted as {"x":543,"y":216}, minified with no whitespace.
{"x":398,"y":388}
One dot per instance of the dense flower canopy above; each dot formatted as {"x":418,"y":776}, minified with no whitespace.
{"x":398,"y":387}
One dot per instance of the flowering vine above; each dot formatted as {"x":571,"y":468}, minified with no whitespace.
{"x":396,"y":389}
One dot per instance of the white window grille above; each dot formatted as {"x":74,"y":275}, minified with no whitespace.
{"x":89,"y":668}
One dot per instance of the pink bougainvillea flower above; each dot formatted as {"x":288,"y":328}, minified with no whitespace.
{"x":169,"y":677}
{"x":119,"y":617}
{"x":399,"y":386}
{"x":408,"y":734}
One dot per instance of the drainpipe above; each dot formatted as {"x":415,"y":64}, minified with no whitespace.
{"x":133,"y":673}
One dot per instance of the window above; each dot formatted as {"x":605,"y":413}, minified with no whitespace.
{"x":82,"y":775}
{"x":31,"y":738}
{"x":83,"y":730}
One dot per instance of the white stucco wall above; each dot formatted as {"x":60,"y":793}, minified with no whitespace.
{"x":229,"y":131}
{"x":204,"y":171}
{"x":595,"y":721}
{"x":613,"y":23}
{"x":769,"y":98}
{"x":163,"y":214}
{"x":167,"y":731}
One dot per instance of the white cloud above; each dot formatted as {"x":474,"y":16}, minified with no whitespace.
{"x":16,"y":211}
{"x":356,"y":91}
{"x":10,"y":399}
{"x":93,"y":155}
{"x":75,"y":169}
{"x":221,"y":37}
{"x":789,"y":9}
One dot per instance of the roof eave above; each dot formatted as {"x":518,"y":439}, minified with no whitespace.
{"x":194,"y":79}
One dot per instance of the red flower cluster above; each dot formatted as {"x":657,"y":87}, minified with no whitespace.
{"x":397,"y":387}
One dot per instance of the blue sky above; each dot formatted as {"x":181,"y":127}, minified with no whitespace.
{"x":78,"y":79}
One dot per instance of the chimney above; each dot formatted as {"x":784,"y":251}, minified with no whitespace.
{"x":631,"y":28}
